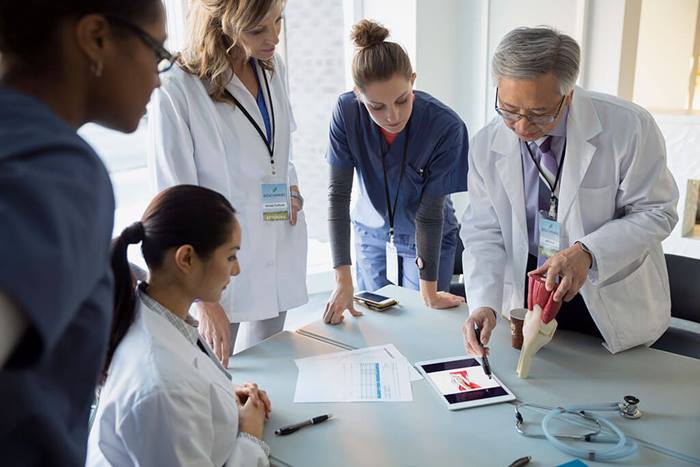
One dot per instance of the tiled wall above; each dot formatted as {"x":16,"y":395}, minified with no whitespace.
{"x":315,"y":63}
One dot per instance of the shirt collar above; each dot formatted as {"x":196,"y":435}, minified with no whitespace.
{"x":187,"y":327}
{"x":560,"y":129}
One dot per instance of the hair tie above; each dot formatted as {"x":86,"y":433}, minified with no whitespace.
{"x":135,"y":233}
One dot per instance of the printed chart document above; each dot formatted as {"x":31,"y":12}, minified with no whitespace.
{"x":365,"y":375}
{"x":377,"y":352}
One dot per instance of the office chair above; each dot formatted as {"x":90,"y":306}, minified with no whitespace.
{"x":684,"y":277}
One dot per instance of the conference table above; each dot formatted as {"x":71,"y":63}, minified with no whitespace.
{"x":573,"y":369}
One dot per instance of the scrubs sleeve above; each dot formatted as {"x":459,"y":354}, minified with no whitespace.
{"x":170,"y":146}
{"x":429,"y":220}
{"x":339,"y":154}
{"x":57,"y":211}
{"x":448,"y":169}
{"x":339,"y":194}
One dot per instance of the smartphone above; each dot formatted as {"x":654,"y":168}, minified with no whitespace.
{"x":374,"y":300}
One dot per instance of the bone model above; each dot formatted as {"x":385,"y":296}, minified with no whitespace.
{"x":539,"y":325}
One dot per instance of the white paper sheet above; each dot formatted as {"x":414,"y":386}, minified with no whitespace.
{"x":377,"y":352}
{"x":353,"y":376}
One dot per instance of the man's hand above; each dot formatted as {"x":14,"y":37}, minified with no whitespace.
{"x":485,"y":319}
{"x":572,"y":265}
{"x":215,"y":328}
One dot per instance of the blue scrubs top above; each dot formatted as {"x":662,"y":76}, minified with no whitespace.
{"x":436,"y":160}
{"x":57,"y":210}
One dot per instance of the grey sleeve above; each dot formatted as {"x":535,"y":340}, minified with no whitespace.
{"x":339,"y":190}
{"x":429,"y":218}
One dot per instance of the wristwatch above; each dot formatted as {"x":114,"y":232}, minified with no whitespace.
{"x":297,"y":195}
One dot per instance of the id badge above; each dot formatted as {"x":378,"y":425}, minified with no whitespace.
{"x":275,"y":200}
{"x":392,"y":263}
{"x":550,"y":238}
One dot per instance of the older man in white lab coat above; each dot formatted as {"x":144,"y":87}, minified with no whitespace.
{"x":572,"y":184}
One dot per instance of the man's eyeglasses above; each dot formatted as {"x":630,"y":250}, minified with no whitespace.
{"x":164,"y":59}
{"x":537,"y":120}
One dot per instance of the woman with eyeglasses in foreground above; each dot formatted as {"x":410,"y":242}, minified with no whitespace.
{"x":223,"y":120}
{"x":62,"y":64}
{"x":166,"y":400}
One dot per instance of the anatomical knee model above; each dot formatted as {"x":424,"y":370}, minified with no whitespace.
{"x":539,"y":325}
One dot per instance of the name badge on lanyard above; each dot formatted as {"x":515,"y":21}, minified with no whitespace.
{"x":550,"y":237}
{"x":392,"y":254}
{"x":275,"y":199}
{"x":392,"y":262}
{"x":274,"y":190}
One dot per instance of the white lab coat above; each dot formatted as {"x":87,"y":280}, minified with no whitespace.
{"x":165,"y":402}
{"x":193,"y":140}
{"x":617,"y":196}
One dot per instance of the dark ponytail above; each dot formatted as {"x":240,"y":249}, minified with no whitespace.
{"x":181,"y":215}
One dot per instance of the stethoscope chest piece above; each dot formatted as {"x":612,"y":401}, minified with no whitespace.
{"x":629,"y":408}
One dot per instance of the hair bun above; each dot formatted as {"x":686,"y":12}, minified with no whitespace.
{"x":367,"y":33}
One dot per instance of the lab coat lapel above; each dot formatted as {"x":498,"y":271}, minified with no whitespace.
{"x":240,"y":92}
{"x":510,"y":169}
{"x":582,"y":125}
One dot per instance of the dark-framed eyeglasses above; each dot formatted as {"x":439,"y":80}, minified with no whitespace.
{"x":537,"y":120}
{"x":164,"y":59}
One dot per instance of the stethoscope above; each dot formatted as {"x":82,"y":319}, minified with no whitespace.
{"x":601,"y":429}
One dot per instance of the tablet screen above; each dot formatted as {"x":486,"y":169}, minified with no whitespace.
{"x":463,"y":381}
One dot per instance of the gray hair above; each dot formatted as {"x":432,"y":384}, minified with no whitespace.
{"x":525,"y":53}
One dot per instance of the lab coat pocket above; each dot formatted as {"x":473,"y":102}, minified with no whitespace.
{"x":632,"y":303}
{"x":597,"y":206}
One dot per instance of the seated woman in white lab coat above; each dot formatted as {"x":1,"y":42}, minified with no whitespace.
{"x":165,"y":399}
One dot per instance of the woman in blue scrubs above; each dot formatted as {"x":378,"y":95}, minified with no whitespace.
{"x":409,"y":151}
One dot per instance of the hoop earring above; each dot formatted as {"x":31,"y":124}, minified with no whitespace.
{"x":96,"y":68}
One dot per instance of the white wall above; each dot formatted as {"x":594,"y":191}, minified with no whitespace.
{"x":399,"y":16}
{"x":663,"y":72}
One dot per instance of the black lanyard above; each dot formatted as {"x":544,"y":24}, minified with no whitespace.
{"x":270,"y":145}
{"x":553,"y":200}
{"x":392,"y":212}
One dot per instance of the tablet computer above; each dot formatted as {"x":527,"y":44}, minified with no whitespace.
{"x":462,"y":383}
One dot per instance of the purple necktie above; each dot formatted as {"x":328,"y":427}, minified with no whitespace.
{"x":548,"y":172}
{"x":548,"y":163}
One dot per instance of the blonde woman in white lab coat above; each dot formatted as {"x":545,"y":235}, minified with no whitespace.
{"x":222,"y":120}
{"x":165,"y":398}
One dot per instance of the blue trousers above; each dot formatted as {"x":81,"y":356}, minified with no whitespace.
{"x":370,"y":261}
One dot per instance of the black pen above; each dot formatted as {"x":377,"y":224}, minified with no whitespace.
{"x":485,"y":359}
{"x":285,"y":430}
{"x":520,"y":462}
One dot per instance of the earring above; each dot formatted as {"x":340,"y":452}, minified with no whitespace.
{"x":96,"y":68}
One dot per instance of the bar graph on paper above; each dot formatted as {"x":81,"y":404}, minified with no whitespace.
{"x":371,"y":382}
